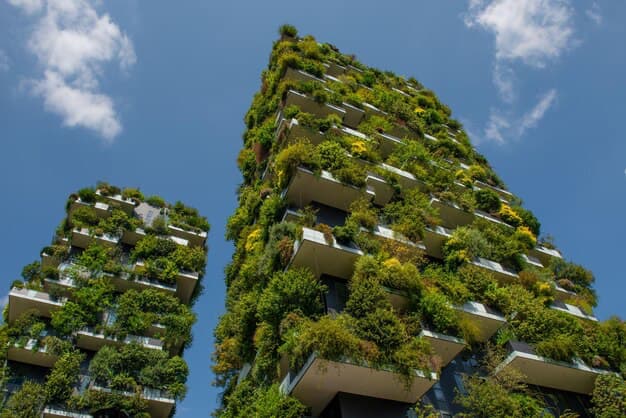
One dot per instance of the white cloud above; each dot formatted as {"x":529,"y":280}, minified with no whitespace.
{"x":29,"y":6}
{"x":503,"y":126}
{"x":5,"y":64}
{"x":533,"y":32}
{"x":73,"y":44}
{"x":78,"y":107}
{"x":531,"y":118}
{"x":594,"y":13}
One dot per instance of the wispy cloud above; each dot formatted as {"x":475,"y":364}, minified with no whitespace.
{"x":533,"y":33}
{"x":594,"y":13}
{"x":5,"y":64}
{"x":504,"y":126}
{"x":74,"y":43}
{"x":532,"y":118}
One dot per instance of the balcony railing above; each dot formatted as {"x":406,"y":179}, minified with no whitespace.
{"x":60,"y":412}
{"x":92,"y":340}
{"x":160,"y":403}
{"x":83,"y":237}
{"x":319,"y":380}
{"x":572,"y":310}
{"x":540,"y":371}
{"x":33,"y":352}
{"x":499,"y":272}
{"x":127,"y":205}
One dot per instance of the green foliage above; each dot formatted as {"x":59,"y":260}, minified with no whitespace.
{"x":609,"y":397}
{"x":187,"y":218}
{"x":410,"y":216}
{"x":131,"y":364}
{"x":156,"y":201}
{"x":132,"y":193}
{"x":27,"y":402}
{"x":87,"y":195}
{"x":269,"y":402}
{"x":296,"y":291}
{"x":438,"y":311}
{"x":558,"y":347}
{"x":487,"y":200}
{"x":63,"y":376}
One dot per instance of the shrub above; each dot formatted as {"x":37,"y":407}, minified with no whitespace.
{"x":87,"y":195}
{"x":487,"y":200}
{"x":292,"y":291}
{"x":609,"y":396}
{"x":156,"y":201}
{"x":300,"y":153}
{"x":438,"y":311}
{"x":27,"y":402}
{"x":560,"y":347}
{"x":410,"y":215}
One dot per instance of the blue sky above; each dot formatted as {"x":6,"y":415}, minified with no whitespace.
{"x":152,"y":94}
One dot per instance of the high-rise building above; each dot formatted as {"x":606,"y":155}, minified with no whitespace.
{"x":382,"y":268}
{"x":97,"y":327}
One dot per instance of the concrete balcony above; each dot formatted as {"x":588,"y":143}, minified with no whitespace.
{"x":353,"y":116}
{"x":544,"y":254}
{"x":89,"y":339}
{"x":291,"y":130}
{"x":371,"y":110}
{"x":562,"y":294}
{"x":305,"y":187}
{"x":435,"y":236}
{"x":383,"y":192}
{"x":22,"y":300}
{"x":446,"y":347}
{"x":101,"y":209}
{"x":388,"y":143}
{"x":186,"y":282}
{"x":504,"y":195}
{"x":497,"y":270}
{"x":195,"y":239}
{"x":32,"y":353}
{"x":309,"y":105}
{"x":160,"y":403}
{"x":529,"y":259}
{"x":334,"y":259}
{"x":296,"y":75}
{"x":82,"y":238}
{"x":335,"y":70}
{"x":572,"y":310}
{"x":451,"y":214}
{"x":127,"y":205}
{"x":405,"y":179}
{"x":487,"y":321}
{"x":574,"y":377}
{"x":59,"y":412}
{"x":319,"y":380}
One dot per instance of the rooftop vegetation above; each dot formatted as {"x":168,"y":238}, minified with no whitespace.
{"x":122,"y":294}
{"x":273,"y":314}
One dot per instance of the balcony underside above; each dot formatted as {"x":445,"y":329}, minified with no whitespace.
{"x":445,"y":346}
{"x":320,"y":380}
{"x":305,"y":187}
{"x":22,"y":300}
{"x":486,"y":323}
{"x":314,"y":252}
{"x":35,"y":357}
{"x":552,"y":374}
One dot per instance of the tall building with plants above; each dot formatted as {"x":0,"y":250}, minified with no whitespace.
{"x":97,"y":327}
{"x":383,"y":269}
